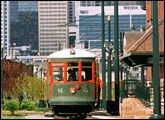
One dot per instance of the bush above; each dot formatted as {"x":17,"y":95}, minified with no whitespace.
{"x":29,"y":105}
{"x":12,"y":105}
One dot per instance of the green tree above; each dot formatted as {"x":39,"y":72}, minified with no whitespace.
{"x":133,"y":27}
{"x":36,"y":88}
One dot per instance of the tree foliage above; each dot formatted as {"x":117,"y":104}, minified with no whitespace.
{"x":11,"y":72}
{"x":35,"y":89}
{"x":17,"y":82}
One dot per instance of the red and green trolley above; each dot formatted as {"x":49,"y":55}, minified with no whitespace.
{"x":80,"y":94}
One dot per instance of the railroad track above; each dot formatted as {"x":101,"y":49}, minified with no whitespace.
{"x":67,"y":116}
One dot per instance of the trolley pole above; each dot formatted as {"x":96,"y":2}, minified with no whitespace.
{"x":116,"y":52}
{"x":156,"y":72}
{"x":103,"y":59}
{"x":109,"y":60}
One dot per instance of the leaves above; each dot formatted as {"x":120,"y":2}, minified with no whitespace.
{"x":17,"y":81}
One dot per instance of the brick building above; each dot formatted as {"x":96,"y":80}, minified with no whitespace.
{"x":141,"y":51}
{"x":149,"y":12}
{"x":161,"y":33}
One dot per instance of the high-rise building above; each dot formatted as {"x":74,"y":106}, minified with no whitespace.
{"x":13,"y":11}
{"x":5,"y":27}
{"x":53,"y":28}
{"x":27,"y":6}
{"x":24,"y":24}
{"x":108,"y":3}
{"x":88,"y":20}
{"x":71,"y":9}
{"x":72,"y":23}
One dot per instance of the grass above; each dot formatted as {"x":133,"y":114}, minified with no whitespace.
{"x":12,"y":117}
{"x":20,"y":114}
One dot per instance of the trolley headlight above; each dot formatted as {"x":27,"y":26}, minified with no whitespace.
{"x":72,"y":51}
{"x":77,"y":87}
{"x":72,"y":90}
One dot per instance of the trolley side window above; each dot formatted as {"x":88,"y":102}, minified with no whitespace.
{"x":86,"y":71}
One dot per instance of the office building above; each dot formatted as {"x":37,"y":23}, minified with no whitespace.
{"x":28,"y":6}
{"x":71,"y":9}
{"x":53,"y":28}
{"x":88,"y":20}
{"x":5,"y":28}
{"x":24,"y":24}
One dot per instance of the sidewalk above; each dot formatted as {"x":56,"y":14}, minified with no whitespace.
{"x":130,"y":108}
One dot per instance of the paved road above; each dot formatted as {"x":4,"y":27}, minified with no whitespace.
{"x":37,"y":116}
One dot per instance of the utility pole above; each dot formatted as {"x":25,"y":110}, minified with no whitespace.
{"x":156,"y":72}
{"x":59,"y":46}
{"x":127,"y":72}
{"x":103,"y":59}
{"x":116,"y":52}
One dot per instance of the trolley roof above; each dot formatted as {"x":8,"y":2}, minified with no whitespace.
{"x":72,"y":53}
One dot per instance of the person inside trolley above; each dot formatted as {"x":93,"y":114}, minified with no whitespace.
{"x":72,"y":75}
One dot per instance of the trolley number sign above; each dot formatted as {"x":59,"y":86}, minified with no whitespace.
{"x":57,"y":64}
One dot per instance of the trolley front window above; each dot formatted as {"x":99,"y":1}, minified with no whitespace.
{"x":58,"y":74}
{"x":72,"y":71}
{"x":58,"y":71}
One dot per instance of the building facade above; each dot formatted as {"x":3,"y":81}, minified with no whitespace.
{"x":88,"y":20}
{"x":149,"y":12}
{"x":161,"y":34}
{"x":28,"y":6}
{"x":108,"y":3}
{"x":53,"y":29}
{"x":5,"y":27}
{"x":24,"y":25}
{"x":13,"y":11}
{"x":71,"y":10}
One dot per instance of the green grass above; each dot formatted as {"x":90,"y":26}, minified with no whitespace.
{"x":19,"y":112}
{"x":12,"y":117}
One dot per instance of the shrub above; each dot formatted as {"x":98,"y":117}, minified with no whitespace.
{"x":29,"y":105}
{"x":12,"y":106}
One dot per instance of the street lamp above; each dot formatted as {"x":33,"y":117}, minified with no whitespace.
{"x":103,"y":59}
{"x":110,"y":47}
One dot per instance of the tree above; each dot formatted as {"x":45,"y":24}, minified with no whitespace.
{"x":36,"y":88}
{"x":19,"y":83}
{"x":133,"y":27}
{"x":13,"y":74}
